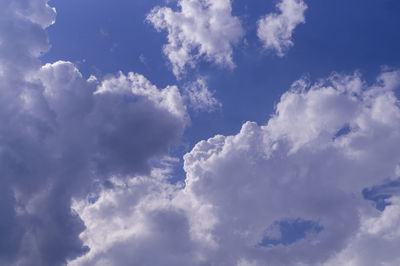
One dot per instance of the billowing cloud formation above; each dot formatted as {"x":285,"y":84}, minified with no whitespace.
{"x":276,"y":30}
{"x":64,"y":137}
{"x":200,"y":29}
{"x":306,"y":168}
{"x":60,"y":132}
{"x":376,"y":242}
{"x":138,"y":222}
{"x":298,"y":166}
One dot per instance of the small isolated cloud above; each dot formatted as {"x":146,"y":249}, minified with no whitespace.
{"x":200,"y":98}
{"x":276,"y":30}
{"x":143,"y":59}
{"x":199,"y":29}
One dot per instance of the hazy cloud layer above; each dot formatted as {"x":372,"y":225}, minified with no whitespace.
{"x":275,"y":30}
{"x":300,"y":166}
{"x":199,"y":29}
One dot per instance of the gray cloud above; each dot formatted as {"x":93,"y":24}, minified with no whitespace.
{"x":294,"y":168}
{"x":60,"y":132}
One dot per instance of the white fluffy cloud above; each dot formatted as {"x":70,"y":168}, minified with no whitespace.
{"x":276,"y":30}
{"x":138,"y":222}
{"x":200,"y":29}
{"x":299,"y":167}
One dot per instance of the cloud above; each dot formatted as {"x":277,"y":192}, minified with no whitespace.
{"x":295,"y":167}
{"x":376,"y":241}
{"x":198,"y":30}
{"x":296,"y":171}
{"x":125,"y":119}
{"x":276,"y":30}
{"x":60,"y":132}
{"x":66,"y":140}
{"x":68,"y":133}
{"x":89,"y":133}
{"x":200,"y":98}
{"x":137,"y":222}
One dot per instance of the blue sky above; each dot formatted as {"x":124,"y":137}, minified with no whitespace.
{"x":338,"y":36}
{"x":199,"y":132}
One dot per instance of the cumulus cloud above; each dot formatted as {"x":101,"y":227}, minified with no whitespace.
{"x":276,"y":30}
{"x":60,"y":132}
{"x":296,"y":167}
{"x":113,"y":115}
{"x":138,"y":222}
{"x":301,"y":169}
{"x":199,"y":29}
{"x":84,"y":133}
{"x":376,"y":242}
{"x":66,"y":140}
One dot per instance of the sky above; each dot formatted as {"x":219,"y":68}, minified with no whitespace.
{"x":199,"y":132}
